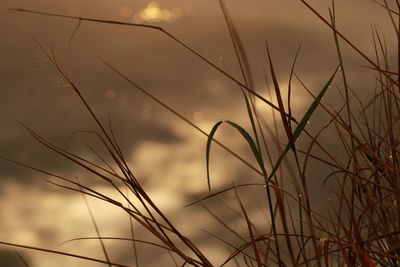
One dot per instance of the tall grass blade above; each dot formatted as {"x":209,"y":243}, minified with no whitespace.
{"x":300,"y":127}
{"x":249,"y":227}
{"x":280,"y":102}
{"x":96,"y":227}
{"x":246,"y":136}
{"x":22,"y":259}
{"x":239,"y":48}
{"x":251,"y":117}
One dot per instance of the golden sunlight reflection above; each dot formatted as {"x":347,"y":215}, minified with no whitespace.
{"x":180,"y":166}
{"x":166,"y":155}
{"x":299,"y":101}
{"x":46,"y":219}
{"x":154,"y":12}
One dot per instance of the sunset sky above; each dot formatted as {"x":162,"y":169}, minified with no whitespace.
{"x":165,"y":153}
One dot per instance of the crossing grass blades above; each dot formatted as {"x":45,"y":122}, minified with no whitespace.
{"x":363,"y":225}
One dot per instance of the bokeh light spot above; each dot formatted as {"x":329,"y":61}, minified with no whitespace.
{"x":153,"y":12}
{"x":109,"y":94}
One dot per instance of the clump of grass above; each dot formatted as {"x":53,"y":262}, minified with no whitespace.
{"x":363,"y":226}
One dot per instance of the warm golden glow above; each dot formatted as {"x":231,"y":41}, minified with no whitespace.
{"x":153,"y":12}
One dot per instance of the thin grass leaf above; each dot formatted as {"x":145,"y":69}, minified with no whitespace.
{"x":285,"y":122}
{"x":22,"y":259}
{"x":246,"y":245}
{"x":176,"y":113}
{"x":220,"y":192}
{"x":250,"y":229}
{"x":346,"y":40}
{"x":300,"y":127}
{"x":251,"y":117}
{"x":96,"y":227}
{"x":160,"y":29}
{"x":61,"y":253}
{"x":239,"y":48}
{"x":246,"y":136}
{"x":117,"y":238}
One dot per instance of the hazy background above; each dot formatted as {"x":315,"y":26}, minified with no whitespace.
{"x":166,"y":154}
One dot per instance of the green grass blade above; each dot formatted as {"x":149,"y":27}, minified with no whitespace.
{"x":251,"y":117}
{"x":300,"y":127}
{"x":251,"y":143}
{"x":208,"y":146}
{"x":246,"y":136}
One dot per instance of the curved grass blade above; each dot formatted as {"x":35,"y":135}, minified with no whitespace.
{"x":61,"y":253}
{"x":117,"y":238}
{"x":246,"y":136}
{"x":251,"y":117}
{"x":244,"y":246}
{"x":300,"y":127}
